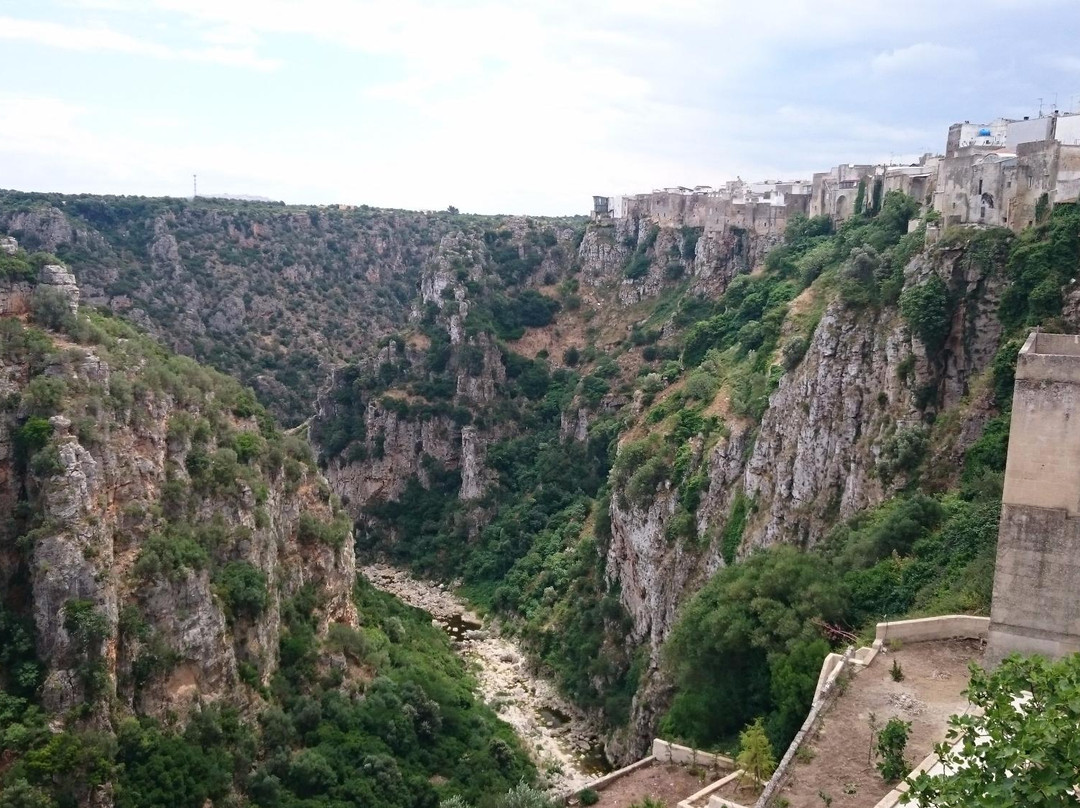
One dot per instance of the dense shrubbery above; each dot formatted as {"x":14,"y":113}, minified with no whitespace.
{"x":533,"y":558}
{"x":318,"y":743}
{"x":1042,"y":261}
{"x":927,"y":310}
{"x":750,"y":643}
{"x":417,"y":721}
{"x":297,"y":281}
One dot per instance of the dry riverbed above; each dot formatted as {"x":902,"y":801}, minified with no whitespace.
{"x":552,"y":730}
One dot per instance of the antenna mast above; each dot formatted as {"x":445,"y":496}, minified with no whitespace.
{"x":194,"y":185}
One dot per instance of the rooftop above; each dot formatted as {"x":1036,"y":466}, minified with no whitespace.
{"x":1052,"y":344}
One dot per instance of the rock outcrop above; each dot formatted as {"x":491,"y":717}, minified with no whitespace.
{"x":106,"y":495}
{"x":816,"y":456}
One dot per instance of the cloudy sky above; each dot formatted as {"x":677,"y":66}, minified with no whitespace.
{"x":519,"y":106}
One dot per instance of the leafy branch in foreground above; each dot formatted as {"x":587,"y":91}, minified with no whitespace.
{"x":1022,"y":750}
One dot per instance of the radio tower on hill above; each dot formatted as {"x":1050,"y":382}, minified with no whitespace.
{"x":194,"y":186}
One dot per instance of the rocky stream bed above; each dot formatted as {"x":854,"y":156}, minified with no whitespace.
{"x":555,"y":733}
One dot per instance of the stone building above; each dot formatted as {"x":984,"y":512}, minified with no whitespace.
{"x":1006,"y":173}
{"x":978,"y":135}
{"x":835,"y":192}
{"x":762,"y":208}
{"x":1004,"y":178}
{"x":1036,"y":603}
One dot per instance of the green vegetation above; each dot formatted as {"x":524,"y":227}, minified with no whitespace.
{"x":404,"y":731}
{"x":588,"y":797}
{"x":755,"y":756}
{"x":313,"y":746}
{"x":914,"y":554}
{"x":242,"y":588}
{"x":1041,"y":262}
{"x":746,"y":650}
{"x":1018,"y":746}
{"x":520,"y":796}
{"x":746,"y":645}
{"x":891,"y":743}
{"x":927,"y":310}
{"x":926,"y":551}
{"x":275,"y":294}
{"x":637,"y":266}
{"x":537,"y":557}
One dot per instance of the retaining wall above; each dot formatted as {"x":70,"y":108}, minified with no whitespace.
{"x":813,"y":718}
{"x":674,"y":753}
{"x":696,"y":797}
{"x":609,"y":778}
{"x":946,"y":627}
{"x":935,"y":628}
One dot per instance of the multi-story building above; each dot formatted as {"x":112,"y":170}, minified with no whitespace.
{"x":1005,"y":173}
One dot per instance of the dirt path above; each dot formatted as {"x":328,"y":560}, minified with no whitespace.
{"x":553,"y":731}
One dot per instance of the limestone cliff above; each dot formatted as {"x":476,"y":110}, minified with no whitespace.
{"x":825,"y":449}
{"x":486,"y":371}
{"x":141,"y":486}
{"x":428,"y":395}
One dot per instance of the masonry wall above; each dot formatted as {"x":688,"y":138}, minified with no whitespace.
{"x":1067,"y":188}
{"x":1036,"y":603}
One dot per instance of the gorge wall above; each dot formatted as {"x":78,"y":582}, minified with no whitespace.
{"x":132,"y":507}
{"x":580,"y":423}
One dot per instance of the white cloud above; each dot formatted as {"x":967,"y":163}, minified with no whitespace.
{"x":99,"y":38}
{"x":922,"y":57}
{"x":531,"y":105}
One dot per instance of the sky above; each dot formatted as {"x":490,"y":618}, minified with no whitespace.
{"x":529,"y":106}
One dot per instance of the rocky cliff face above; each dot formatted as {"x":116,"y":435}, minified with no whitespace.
{"x":452,"y":338}
{"x":133,"y":507}
{"x":824,"y":450}
{"x":428,"y":397}
{"x":708,"y":259}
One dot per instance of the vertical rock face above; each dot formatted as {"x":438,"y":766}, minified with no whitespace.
{"x":97,"y":490}
{"x":709,"y":259}
{"x":814,"y":458}
{"x":604,"y":252}
{"x":653,"y":573}
{"x":472,"y":464}
{"x":407,"y":426}
{"x":396,"y":446}
{"x":720,"y":255}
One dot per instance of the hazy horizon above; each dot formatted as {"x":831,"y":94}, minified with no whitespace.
{"x":523,"y":109}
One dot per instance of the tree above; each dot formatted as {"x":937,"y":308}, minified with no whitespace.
{"x":928,"y":312}
{"x":891,"y":744}
{"x":755,"y":752}
{"x":1019,"y":748}
{"x":732,"y":636}
{"x":858,"y":285}
{"x":242,"y":587}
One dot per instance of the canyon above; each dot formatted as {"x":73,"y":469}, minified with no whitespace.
{"x":574,"y":428}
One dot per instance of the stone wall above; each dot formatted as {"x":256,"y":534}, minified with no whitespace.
{"x":947,"y":627}
{"x":715,"y":210}
{"x":666,"y":752}
{"x":1035,"y":606}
